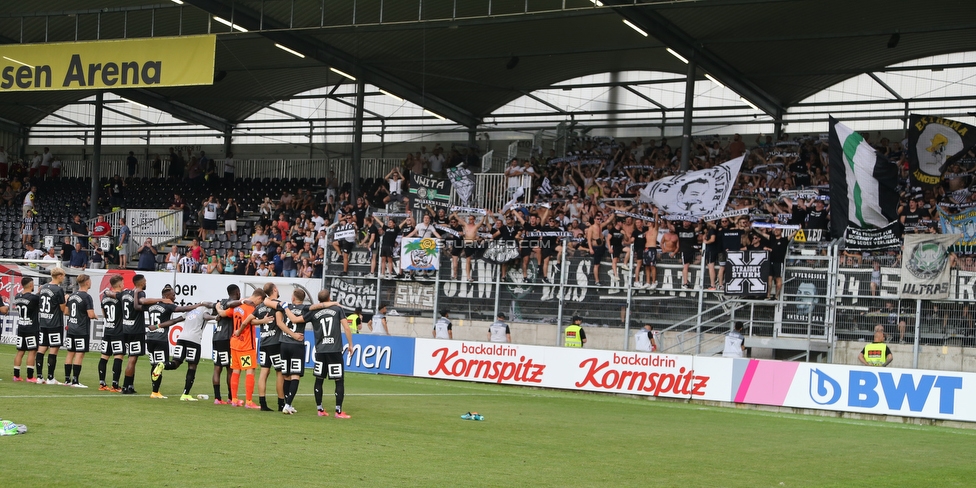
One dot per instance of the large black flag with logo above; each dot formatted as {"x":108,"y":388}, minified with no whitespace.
{"x":934,"y":143}
{"x":428,"y":192}
{"x":862,"y":183}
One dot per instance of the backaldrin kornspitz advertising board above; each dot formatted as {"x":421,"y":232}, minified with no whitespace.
{"x":114,"y":64}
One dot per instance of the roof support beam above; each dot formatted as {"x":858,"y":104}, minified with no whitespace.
{"x":10,"y":126}
{"x":333,"y":57}
{"x":886,"y":87}
{"x":664,"y":30}
{"x":645,"y":98}
{"x":530,"y":95}
{"x":176,"y":109}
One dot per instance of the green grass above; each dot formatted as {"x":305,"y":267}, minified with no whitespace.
{"x":408,"y":432}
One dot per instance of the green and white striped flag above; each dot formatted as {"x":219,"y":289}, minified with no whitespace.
{"x":863,"y":183}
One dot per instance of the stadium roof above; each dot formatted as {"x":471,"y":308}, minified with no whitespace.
{"x":465,"y":59}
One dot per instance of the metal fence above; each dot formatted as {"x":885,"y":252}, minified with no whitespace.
{"x":826,"y":300}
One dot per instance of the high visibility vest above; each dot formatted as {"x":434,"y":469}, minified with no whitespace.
{"x":876,"y":353}
{"x":572,"y":336}
{"x":353,"y":323}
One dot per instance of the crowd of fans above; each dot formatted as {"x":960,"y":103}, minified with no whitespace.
{"x":587,"y":201}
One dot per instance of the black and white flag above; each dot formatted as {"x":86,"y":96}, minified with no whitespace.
{"x":696,"y":193}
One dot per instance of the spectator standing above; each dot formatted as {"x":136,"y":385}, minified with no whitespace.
{"x":32,"y":253}
{"x":67,"y":249}
{"x":574,"y":335}
{"x":735,"y":346}
{"x":29,"y":201}
{"x":147,"y":256}
{"x":230,"y":166}
{"x":442,"y":327}
{"x":51,"y":255}
{"x":101,"y":227}
{"x":230,"y":217}
{"x":123,"y":247}
{"x":644,"y":339}
{"x":377,"y":324}
{"x":499,"y":331}
{"x":78,"y":228}
{"x":46,"y":160}
{"x":209,"y":228}
{"x":79,"y":258}
{"x":156,"y":166}
{"x":116,"y":190}
{"x":131,"y":163}
{"x":28,"y":229}
{"x":877,"y":353}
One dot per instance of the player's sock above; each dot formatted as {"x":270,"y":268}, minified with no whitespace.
{"x":281,"y":402}
{"x":156,"y":383}
{"x":217,"y":392}
{"x":116,"y":371}
{"x":318,"y":392}
{"x":191,"y":375}
{"x":67,"y":370}
{"x":285,"y":388}
{"x":171,"y":365}
{"x":340,"y":393}
{"x":30,"y":372}
{"x":102,"y":366}
{"x":128,"y":381}
{"x":75,"y":372}
{"x":235,"y":380}
{"x":249,"y":388}
{"x":290,"y":393}
{"x":16,"y":372}
{"x":263,"y":401}
{"x":39,"y":364}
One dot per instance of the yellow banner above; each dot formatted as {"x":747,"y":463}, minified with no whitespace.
{"x":125,"y":63}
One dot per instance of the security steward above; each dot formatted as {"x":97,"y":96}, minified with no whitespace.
{"x":355,"y":319}
{"x":574,"y":335}
{"x":876,"y":353}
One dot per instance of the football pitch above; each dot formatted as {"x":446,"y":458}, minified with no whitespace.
{"x":408,"y":432}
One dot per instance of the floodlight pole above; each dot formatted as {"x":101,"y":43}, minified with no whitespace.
{"x":97,"y":157}
{"x":357,"y":141}
{"x":689,"y":109}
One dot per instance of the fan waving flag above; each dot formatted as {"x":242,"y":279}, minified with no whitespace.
{"x":862,"y":183}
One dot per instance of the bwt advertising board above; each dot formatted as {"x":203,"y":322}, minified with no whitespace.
{"x":859,"y":389}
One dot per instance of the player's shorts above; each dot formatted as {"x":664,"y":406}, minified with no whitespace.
{"x":650,"y":256}
{"x":76,"y":343}
{"x":186,"y":351}
{"x":27,"y":342}
{"x":243,"y":360}
{"x":328,"y":365}
{"x":270,"y":357}
{"x":51,"y":337}
{"x":158,"y":352}
{"x":221,"y":353}
{"x":135,"y":344}
{"x":776,"y":270}
{"x":688,"y":257}
{"x":112,"y":346}
{"x":346,"y":246}
{"x":293,"y":359}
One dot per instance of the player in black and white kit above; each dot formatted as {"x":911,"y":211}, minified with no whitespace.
{"x":51,"y":315}
{"x":134,"y":328}
{"x":159,"y":317}
{"x":221,"y":339}
{"x":188,"y":348}
{"x":292,"y":347}
{"x":269,"y":354}
{"x":27,"y":305}
{"x":328,"y":346}
{"x":81,"y":311}
{"x":113,"y":342}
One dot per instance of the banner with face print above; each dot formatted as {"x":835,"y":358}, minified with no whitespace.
{"x":463,"y":182}
{"x":934,"y":143}
{"x":694,"y":194}
{"x":419,"y":254}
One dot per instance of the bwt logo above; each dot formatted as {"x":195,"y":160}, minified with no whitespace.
{"x":862,"y":390}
